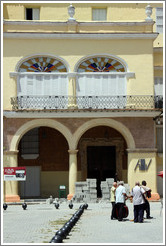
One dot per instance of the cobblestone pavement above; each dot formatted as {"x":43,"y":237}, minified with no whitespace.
{"x":39,"y":223}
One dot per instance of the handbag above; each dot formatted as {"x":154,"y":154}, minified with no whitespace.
{"x":148,"y":193}
{"x":125,"y":212}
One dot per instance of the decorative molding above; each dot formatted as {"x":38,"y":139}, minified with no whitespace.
{"x":73,"y":151}
{"x":140,"y":150}
{"x":158,"y":68}
{"x":98,"y":23}
{"x":34,"y":23}
{"x":41,"y":35}
{"x":128,"y":74}
{"x":72,"y":74}
{"x":89,"y":23}
{"x":76,"y":113}
{"x":15,"y":74}
{"x":11,"y":152}
{"x":158,"y":49}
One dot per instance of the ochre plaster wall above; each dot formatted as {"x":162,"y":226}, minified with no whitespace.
{"x":138,"y":54}
{"x":50,"y":182}
{"x":83,"y":11}
{"x":137,"y":175}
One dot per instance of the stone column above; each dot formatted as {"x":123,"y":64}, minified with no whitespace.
{"x":72,"y":172}
{"x":137,"y":173}
{"x":72,"y":90}
{"x":11,"y":187}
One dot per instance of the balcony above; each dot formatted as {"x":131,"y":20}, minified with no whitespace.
{"x":86,"y":102}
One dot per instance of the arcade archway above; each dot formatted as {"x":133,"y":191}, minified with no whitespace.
{"x":102,"y":154}
{"x":44,"y":153}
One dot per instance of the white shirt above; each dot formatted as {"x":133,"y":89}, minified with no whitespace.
{"x":137,"y":194}
{"x":119,"y":194}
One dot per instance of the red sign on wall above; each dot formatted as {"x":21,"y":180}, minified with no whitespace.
{"x":14,"y":173}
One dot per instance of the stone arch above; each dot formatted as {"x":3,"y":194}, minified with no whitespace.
{"x":105,"y":122}
{"x":40,"y":122}
{"x":118,"y":59}
{"x":26,"y":58}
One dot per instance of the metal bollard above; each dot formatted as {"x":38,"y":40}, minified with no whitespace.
{"x":57,"y":205}
{"x":5,"y":206}
{"x":70,"y":205}
{"x":85,"y":205}
{"x":24,"y":206}
{"x":56,"y":239}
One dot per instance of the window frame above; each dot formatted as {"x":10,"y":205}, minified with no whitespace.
{"x":32,"y":13}
{"x":23,"y":152}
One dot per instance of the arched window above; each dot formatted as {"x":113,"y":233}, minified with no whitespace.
{"x":40,"y":80}
{"x":101,"y":64}
{"x":42,"y":64}
{"x":102,"y":78}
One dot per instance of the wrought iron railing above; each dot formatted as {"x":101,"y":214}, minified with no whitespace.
{"x":87,"y":102}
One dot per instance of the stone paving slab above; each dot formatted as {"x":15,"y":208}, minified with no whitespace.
{"x":39,"y":223}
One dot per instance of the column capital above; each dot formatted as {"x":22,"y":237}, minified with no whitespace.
{"x":11,"y":152}
{"x":73,"y":151}
{"x":72,"y":75}
{"x":140,"y":150}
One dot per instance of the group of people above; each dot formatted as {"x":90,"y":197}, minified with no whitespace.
{"x":139,"y":196}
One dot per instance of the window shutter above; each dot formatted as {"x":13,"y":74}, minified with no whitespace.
{"x":159,"y":20}
{"x":99,"y":14}
{"x":158,"y":86}
{"x":38,"y":85}
{"x":30,"y":87}
{"x":22,"y":84}
{"x":36,"y":14}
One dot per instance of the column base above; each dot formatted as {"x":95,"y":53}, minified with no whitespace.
{"x":70,"y":196}
{"x":12,"y":198}
{"x":154,"y":197}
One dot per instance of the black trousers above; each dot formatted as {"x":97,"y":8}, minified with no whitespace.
{"x":147,"y":208}
{"x":113,"y":210}
{"x":138,"y":213}
{"x":120,"y":206}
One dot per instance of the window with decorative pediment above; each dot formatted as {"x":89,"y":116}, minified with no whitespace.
{"x":102,"y":78}
{"x":41,"y":78}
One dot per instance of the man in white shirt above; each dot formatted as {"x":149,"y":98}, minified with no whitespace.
{"x":120,"y":199}
{"x":138,"y":201}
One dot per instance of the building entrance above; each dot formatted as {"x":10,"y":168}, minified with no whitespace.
{"x":101,"y":164}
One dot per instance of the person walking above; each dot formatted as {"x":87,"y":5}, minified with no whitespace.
{"x":112,"y":193}
{"x":120,"y":199}
{"x":137,"y":194}
{"x":147,"y":194}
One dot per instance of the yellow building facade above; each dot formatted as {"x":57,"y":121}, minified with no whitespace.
{"x":82,"y":94}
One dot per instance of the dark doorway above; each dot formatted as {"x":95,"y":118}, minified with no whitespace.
{"x":101,"y":162}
